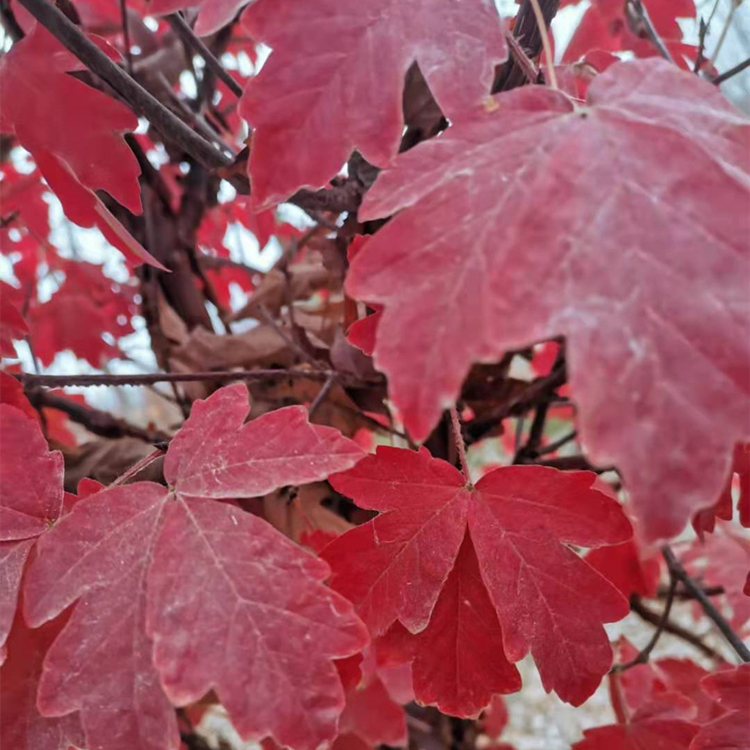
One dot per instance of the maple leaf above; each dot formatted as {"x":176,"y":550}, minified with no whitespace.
{"x":415,"y":564}
{"x":336,"y":79}
{"x":731,"y":688}
{"x":22,"y":727}
{"x":32,"y":499}
{"x":458,"y":660}
{"x":645,"y":275}
{"x":85,"y":150}
{"x":655,"y":734}
{"x":179,"y":591}
{"x":607,"y":25}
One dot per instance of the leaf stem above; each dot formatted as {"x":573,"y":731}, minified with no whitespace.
{"x":676,"y":570}
{"x":136,"y":468}
{"x":460,"y":444}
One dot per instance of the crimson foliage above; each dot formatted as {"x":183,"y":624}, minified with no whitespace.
{"x":360,"y":544}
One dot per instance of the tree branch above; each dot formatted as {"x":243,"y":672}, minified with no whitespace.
{"x":640,"y":22}
{"x":95,"y":421}
{"x":31,"y":380}
{"x":727,"y":74}
{"x":637,"y":606}
{"x":676,"y":569}
{"x":183,"y":30}
{"x":645,"y":653}
{"x":139,"y":100}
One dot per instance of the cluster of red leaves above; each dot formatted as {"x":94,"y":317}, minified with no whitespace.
{"x":673,"y":704}
{"x":124,"y":601}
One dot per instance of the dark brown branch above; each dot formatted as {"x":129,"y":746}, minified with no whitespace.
{"x":140,"y":100}
{"x":524,"y":62}
{"x":727,"y":74}
{"x":95,"y":421}
{"x":321,"y":396}
{"x":687,"y":596}
{"x":676,"y":569}
{"x":640,"y":23}
{"x":645,"y":653}
{"x":574,"y":463}
{"x":654,"y":618}
{"x":31,"y":380}
{"x":526,"y":31}
{"x":183,"y":30}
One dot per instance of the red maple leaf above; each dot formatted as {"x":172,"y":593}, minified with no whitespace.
{"x":486,"y":570}
{"x":550,"y":245}
{"x":731,"y":688}
{"x":179,"y":591}
{"x":336,"y":79}
{"x":31,"y":500}
{"x":84,"y":150}
{"x":606,"y":26}
{"x":23,"y":727}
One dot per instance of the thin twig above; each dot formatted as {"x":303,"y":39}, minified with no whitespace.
{"x":676,"y":569}
{"x":126,"y":36}
{"x":727,"y":74}
{"x":637,"y":606}
{"x":61,"y":381}
{"x":95,"y":421}
{"x":139,"y":100}
{"x":548,"y":56}
{"x":460,"y":444}
{"x":641,"y":20}
{"x":687,"y":596}
{"x":557,"y":444}
{"x":724,"y":30}
{"x":530,"y":450}
{"x":284,"y":336}
{"x":183,"y":30}
{"x":645,"y":653}
{"x":524,"y":62}
{"x":321,"y":396}
{"x":704,"y":28}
